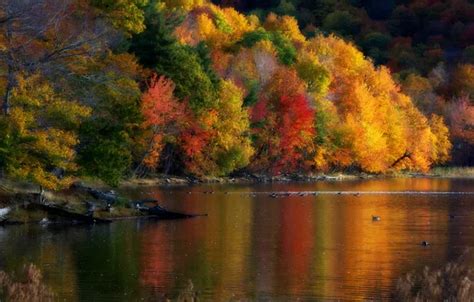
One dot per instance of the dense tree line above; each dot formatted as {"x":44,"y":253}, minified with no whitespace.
{"x":429,"y":45}
{"x":114,"y":89}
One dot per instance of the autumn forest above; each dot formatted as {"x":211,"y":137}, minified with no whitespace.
{"x":117,"y":89}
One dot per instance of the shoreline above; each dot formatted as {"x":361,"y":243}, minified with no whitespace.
{"x":166,"y":180}
{"x":22,"y":199}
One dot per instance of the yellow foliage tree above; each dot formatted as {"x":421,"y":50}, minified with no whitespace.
{"x":220,"y":143}
{"x":385,"y":129}
{"x":440,"y":140}
{"x":38,"y":137}
{"x":232,"y":146}
{"x":183,"y":4}
{"x":216,"y":26}
{"x":463,"y":80}
{"x":287,"y":25}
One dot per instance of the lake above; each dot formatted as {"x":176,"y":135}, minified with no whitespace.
{"x":320,"y":246}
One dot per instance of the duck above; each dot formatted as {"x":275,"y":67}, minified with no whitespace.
{"x":375,"y":218}
{"x":425,"y":243}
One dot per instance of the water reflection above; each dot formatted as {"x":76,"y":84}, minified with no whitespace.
{"x":254,"y":246}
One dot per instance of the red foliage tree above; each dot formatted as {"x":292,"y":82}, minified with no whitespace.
{"x":296,"y":131}
{"x":163,"y":116}
{"x":193,"y":142}
{"x":284,"y":135}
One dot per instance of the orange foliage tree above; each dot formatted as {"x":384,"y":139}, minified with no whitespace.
{"x":382,"y":128}
{"x":163,"y":118}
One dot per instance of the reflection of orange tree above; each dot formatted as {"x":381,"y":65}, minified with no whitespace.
{"x":211,"y":251}
{"x":157,"y":259}
{"x":296,"y":244}
{"x":367,"y":256}
{"x":325,"y":263}
{"x":370,"y":249}
{"x":168,"y":251}
{"x":399,"y":184}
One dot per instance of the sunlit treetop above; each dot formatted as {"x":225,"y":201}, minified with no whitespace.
{"x":127,"y":15}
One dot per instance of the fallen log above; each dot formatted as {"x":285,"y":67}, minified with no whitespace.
{"x":73,"y":217}
{"x":109,"y":197}
{"x":160,"y":212}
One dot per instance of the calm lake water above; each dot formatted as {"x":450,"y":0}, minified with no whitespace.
{"x":254,"y":247}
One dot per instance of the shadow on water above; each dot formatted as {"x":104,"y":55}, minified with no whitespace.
{"x":256,"y":247}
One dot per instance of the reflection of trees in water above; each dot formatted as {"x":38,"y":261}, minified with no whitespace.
{"x":255,"y":246}
{"x":157,"y":257}
{"x":212,"y":251}
{"x":296,"y":244}
{"x":48,"y":249}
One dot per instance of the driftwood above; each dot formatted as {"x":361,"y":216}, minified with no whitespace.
{"x":71,"y":216}
{"x":148,"y":206}
{"x":109,"y":197}
{"x":160,"y":212}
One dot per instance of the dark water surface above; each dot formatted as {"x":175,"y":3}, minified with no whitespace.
{"x":254,"y":247}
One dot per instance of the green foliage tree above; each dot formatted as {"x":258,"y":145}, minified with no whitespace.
{"x":376,"y":44}
{"x":342,"y":23}
{"x":285,"y":49}
{"x":127,"y":15}
{"x":107,"y":136}
{"x":188,"y":67}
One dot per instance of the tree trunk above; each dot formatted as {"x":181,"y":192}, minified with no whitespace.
{"x":168,"y":158}
{"x":405,"y":155}
{"x":10,"y":75}
{"x":41,"y":194}
{"x":6,"y":97}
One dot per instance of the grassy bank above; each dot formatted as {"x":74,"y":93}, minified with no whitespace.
{"x":22,"y":200}
{"x":452,"y":172}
